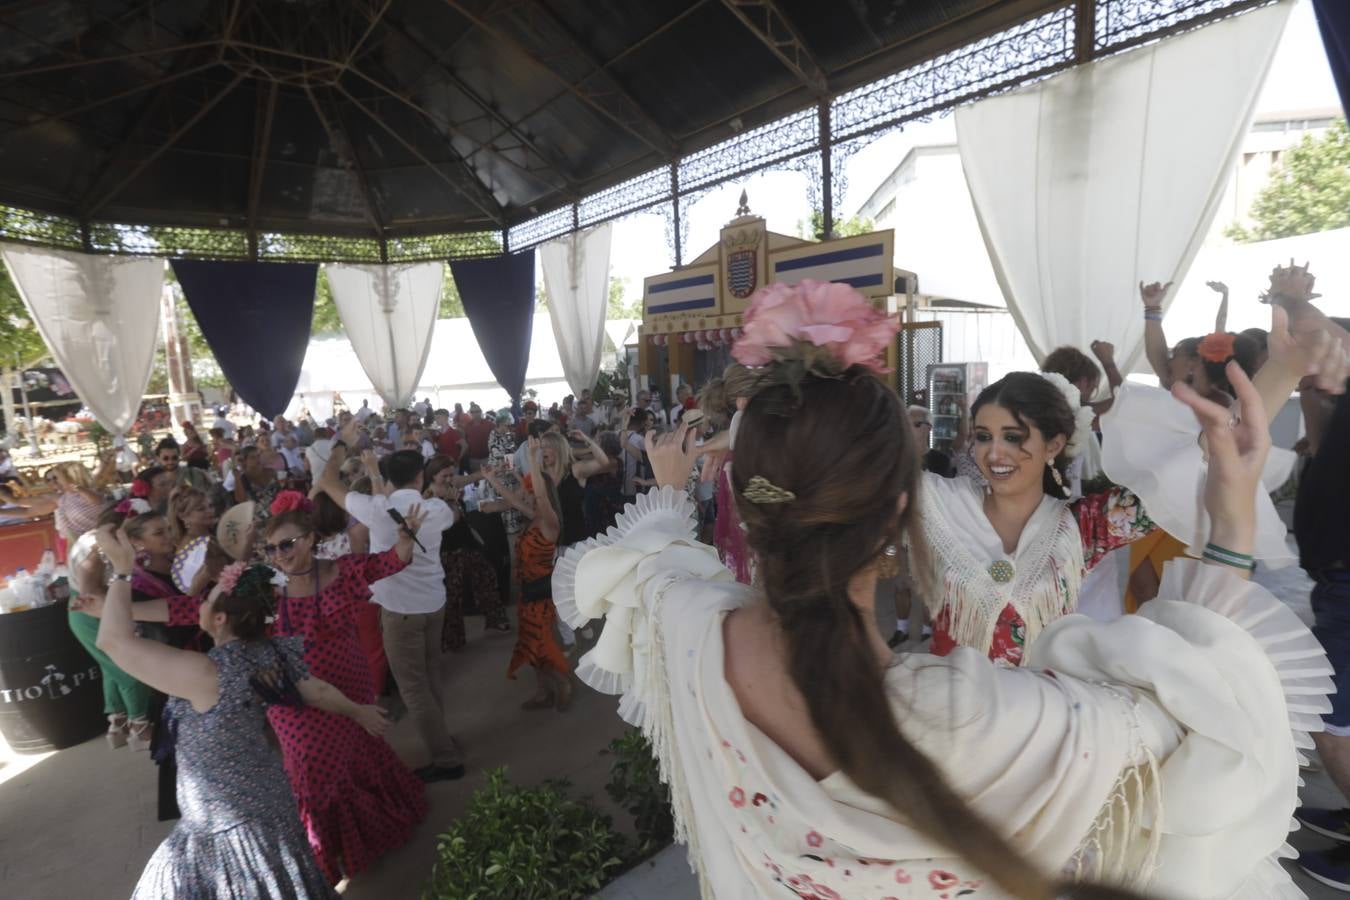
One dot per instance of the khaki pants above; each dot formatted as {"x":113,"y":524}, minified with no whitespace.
{"x":413,"y":644}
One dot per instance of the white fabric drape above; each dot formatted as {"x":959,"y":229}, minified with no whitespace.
{"x":100,"y":318}
{"x":389,"y":312}
{"x":1110,"y":174}
{"x":576,"y":273}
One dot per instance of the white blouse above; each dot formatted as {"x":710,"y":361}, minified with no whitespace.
{"x":1155,"y":750}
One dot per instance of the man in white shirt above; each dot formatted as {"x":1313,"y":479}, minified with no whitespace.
{"x":223,"y":423}
{"x":365,"y":412}
{"x":412,"y":601}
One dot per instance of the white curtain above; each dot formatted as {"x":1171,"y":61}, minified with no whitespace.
{"x":1110,"y":174}
{"x":389,"y":312}
{"x":100,"y":318}
{"x":576,"y":274}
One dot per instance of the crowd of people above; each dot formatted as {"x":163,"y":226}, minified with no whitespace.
{"x":786,"y":530}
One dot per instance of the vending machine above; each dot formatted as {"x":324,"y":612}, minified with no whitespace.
{"x":952,"y":389}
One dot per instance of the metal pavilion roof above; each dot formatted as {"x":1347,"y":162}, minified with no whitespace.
{"x":510,"y":120}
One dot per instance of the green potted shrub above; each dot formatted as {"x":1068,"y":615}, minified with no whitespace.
{"x":635,"y":784}
{"x":518,"y":843}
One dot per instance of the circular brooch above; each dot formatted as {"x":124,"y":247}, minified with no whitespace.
{"x":1001,"y":571}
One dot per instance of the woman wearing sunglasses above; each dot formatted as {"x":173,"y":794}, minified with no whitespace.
{"x":356,"y":800}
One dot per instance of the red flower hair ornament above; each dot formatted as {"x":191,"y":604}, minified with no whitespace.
{"x":1217,"y":347}
{"x":287,"y":501}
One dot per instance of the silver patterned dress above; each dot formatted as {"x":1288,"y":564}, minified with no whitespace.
{"x":240,"y":834}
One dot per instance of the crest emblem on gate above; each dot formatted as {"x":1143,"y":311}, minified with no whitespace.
{"x":742,"y":273}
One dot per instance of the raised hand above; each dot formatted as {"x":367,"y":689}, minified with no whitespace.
{"x":116,"y":547}
{"x":1104,"y":350}
{"x":372,"y":718}
{"x":1238,"y":442}
{"x":1217,"y":287}
{"x":371,"y":462}
{"x":1152,"y":294}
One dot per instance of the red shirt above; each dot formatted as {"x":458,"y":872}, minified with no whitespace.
{"x":448,"y":443}
{"x":477,"y":434}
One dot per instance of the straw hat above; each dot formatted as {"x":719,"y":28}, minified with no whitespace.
{"x":235,"y":531}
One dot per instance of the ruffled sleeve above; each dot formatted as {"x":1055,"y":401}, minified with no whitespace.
{"x":1108,"y":520}
{"x":1243,"y":681}
{"x":1151,"y":444}
{"x":621,"y":576}
{"x":371,"y":567}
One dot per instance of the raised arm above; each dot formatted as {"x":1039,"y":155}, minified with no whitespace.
{"x":180,"y":673}
{"x":1155,"y":342}
{"x":544,"y":514}
{"x":1105,"y":352}
{"x":519,"y":500}
{"x":1221,"y":317}
{"x":597,"y":463}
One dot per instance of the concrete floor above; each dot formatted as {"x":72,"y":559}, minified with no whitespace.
{"x":81,"y":822}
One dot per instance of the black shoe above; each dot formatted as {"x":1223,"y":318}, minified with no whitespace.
{"x":897,"y":639}
{"x":1331,"y":867}
{"x":439,"y":773}
{"x":1332,"y":823}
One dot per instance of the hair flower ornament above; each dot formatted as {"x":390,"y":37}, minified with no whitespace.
{"x":286,"y":501}
{"x":818,"y":327}
{"x":1082,"y":415}
{"x":133,"y":506}
{"x":1218,"y":347}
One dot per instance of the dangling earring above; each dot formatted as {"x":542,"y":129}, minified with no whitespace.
{"x":1059,"y":479}
{"x":888,"y":563}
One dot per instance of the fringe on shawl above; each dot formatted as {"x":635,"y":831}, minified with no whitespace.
{"x":1112,"y":852}
{"x":1045,"y":587}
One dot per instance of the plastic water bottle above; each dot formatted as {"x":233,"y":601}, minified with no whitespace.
{"x":47,"y":565}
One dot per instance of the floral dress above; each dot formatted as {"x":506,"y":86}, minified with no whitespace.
{"x":240,"y":834}
{"x":357,"y":800}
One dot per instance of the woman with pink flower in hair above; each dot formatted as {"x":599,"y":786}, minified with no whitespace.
{"x":239,"y":835}
{"x":805,"y":758}
{"x":357,"y":801}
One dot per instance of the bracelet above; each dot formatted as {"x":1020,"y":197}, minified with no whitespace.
{"x":1153,"y":314}
{"x":118,"y":576}
{"x":1216,"y":554}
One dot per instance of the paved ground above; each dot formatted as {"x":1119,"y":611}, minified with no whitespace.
{"x":81,"y":823}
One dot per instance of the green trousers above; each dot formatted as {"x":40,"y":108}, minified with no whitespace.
{"x":121,"y":693}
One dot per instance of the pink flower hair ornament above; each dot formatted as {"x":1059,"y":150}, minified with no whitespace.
{"x":229,"y":576}
{"x":817,"y":327}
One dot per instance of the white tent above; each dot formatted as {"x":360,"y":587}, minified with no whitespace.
{"x":456,"y":371}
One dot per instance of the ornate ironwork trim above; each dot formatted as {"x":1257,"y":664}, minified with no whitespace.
{"x":541,"y":228}
{"x":633,"y":195}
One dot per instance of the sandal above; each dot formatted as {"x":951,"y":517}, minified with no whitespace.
{"x":501,"y":625}
{"x":117,"y":730}
{"x":141,"y":732}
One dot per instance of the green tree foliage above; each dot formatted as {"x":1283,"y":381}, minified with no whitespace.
{"x":1308,"y":192}
{"x":20,"y":341}
{"x":814,"y":230}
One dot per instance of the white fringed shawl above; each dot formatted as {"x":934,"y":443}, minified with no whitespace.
{"x":1048,"y":562}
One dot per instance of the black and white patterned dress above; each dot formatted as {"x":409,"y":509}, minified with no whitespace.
{"x":240,"y":835}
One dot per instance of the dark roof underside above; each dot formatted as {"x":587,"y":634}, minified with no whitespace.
{"x":388,"y":117}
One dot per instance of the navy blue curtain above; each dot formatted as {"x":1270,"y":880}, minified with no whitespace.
{"x":498,"y":297}
{"x":256,"y":318}
{"x":1333,"y":17}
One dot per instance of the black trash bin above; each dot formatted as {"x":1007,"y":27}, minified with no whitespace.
{"x":51,"y":693}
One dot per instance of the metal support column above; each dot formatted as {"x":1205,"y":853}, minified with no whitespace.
{"x":675,"y":205}
{"x":826,"y":174}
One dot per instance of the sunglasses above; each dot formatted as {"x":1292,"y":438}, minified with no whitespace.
{"x":285,"y":546}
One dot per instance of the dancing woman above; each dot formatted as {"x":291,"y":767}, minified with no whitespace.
{"x":804,"y":758}
{"x":239,"y":834}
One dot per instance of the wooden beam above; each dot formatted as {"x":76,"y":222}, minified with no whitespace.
{"x":121,"y":57}
{"x":129,"y":92}
{"x":496,"y":215}
{"x":91,"y":208}
{"x":262,"y":139}
{"x":623,"y":110}
{"x":342,"y":144}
